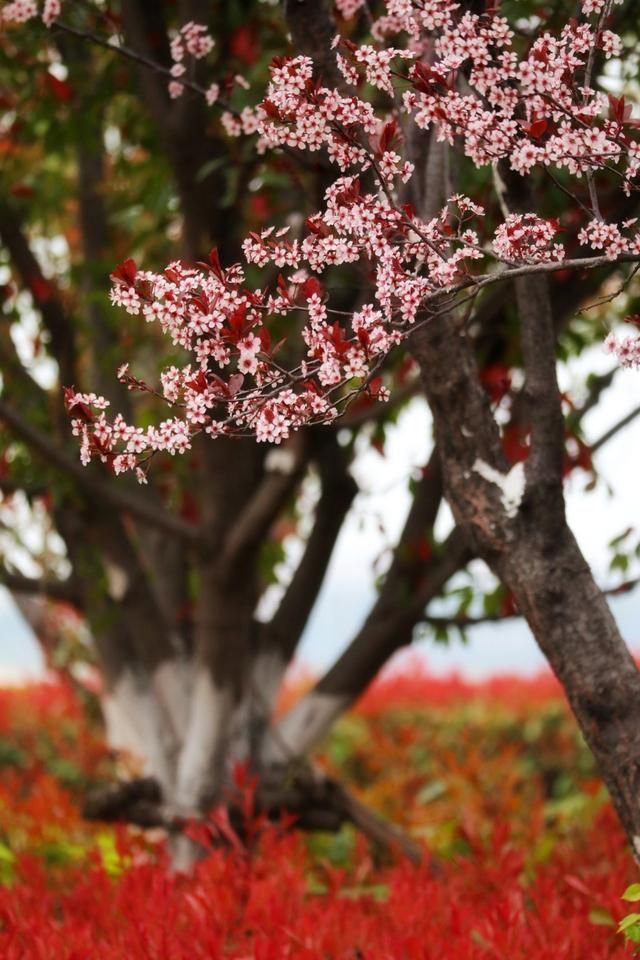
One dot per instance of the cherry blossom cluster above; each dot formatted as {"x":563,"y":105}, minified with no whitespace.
{"x":296,"y":113}
{"x":626,"y":350}
{"x":413,"y":260}
{"x":530,"y":109}
{"x":20,"y":11}
{"x":348,"y":8}
{"x":234,"y":384}
{"x":595,"y":6}
{"x":609,"y":238}
{"x":194,"y":40}
{"x":527,"y":238}
{"x":374,"y":62}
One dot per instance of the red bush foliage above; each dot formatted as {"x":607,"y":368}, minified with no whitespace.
{"x":526,"y":866}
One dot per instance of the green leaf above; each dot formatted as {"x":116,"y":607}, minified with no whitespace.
{"x":632,"y":893}
{"x":629,"y":921}
{"x":621,"y":536}
{"x":431,"y":791}
{"x":633,"y":934}
{"x":6,"y":854}
{"x":620,"y":562}
{"x":601,"y":917}
{"x":377,"y":891}
{"x":210,"y":167}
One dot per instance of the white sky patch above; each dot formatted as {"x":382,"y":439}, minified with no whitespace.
{"x":512,"y":484}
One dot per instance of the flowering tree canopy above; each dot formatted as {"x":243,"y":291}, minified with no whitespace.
{"x":526,"y":104}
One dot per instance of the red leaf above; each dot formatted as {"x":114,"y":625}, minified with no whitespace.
{"x":508,"y":605}
{"x":374,"y":385}
{"x":21,"y":190}
{"x":619,"y":110}
{"x":378,"y":444}
{"x":214,"y":264}
{"x":125,"y":272}
{"x":76,"y":409}
{"x":214,"y":260}
{"x":387,"y":136}
{"x":41,"y":289}
{"x":61,"y":90}
{"x":199,"y":383}
{"x":311,"y":287}
{"x":364,"y":339}
{"x":243,"y":44}
{"x":536,"y":128}
{"x":265,"y":340}
{"x":200,"y":303}
{"x":318,"y":228}
{"x":237,"y":322}
{"x":283,"y":288}
{"x":496,"y":380}
{"x":515,"y":442}
{"x":270,"y":109}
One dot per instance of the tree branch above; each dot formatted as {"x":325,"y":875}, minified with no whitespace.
{"x":615,"y":429}
{"x":279,"y":638}
{"x":92,"y":484}
{"x":67,"y":591}
{"x":54,"y":316}
{"x":155,"y":89}
{"x":409,"y":586}
{"x":357,"y":416}
{"x":464,"y":622}
{"x":312,"y":29}
{"x":543,"y":467}
{"x":269,"y":499}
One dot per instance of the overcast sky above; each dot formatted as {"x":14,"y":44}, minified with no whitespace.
{"x":377,"y":518}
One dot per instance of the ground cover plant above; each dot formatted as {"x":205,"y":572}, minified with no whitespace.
{"x":524,"y":856}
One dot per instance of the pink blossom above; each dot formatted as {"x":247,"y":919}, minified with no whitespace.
{"x":20,"y":11}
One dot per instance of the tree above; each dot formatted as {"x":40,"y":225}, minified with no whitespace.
{"x":366,"y":133}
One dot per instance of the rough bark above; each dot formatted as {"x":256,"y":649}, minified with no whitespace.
{"x":528,"y":543}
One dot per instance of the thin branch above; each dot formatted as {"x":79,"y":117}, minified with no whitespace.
{"x":52,"y":311}
{"x":129,"y":54}
{"x":615,"y":429}
{"x":92,"y":484}
{"x":357,"y":416}
{"x":598,"y":384}
{"x":67,"y":591}
{"x":464,"y":622}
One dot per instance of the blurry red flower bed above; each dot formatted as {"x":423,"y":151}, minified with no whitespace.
{"x":526,"y":859}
